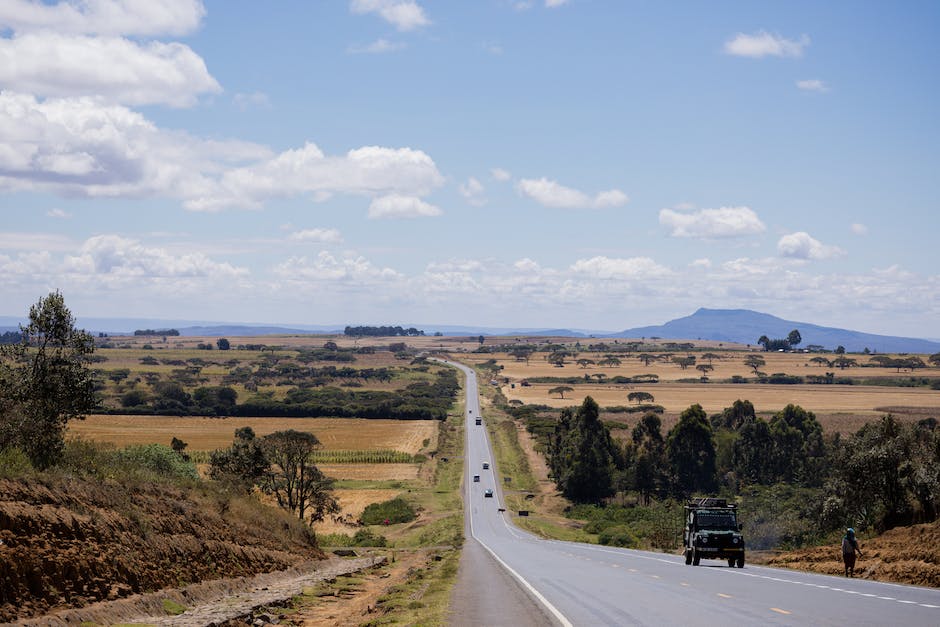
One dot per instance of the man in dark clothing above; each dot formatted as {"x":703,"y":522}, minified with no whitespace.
{"x":849,"y":551}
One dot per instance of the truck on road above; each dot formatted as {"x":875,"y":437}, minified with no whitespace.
{"x":711,"y":531}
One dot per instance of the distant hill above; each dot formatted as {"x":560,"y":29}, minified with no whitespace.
{"x":744,"y":327}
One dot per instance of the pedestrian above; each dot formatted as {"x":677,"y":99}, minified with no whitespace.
{"x":850,"y":551}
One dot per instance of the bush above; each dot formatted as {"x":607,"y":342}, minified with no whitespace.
{"x":397,"y":510}
{"x":158,"y":459}
{"x":14,"y":463}
{"x":617,"y":536}
{"x":365,"y":537}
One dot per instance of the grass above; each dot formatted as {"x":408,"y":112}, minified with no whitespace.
{"x":172,"y":608}
{"x":424,"y":599}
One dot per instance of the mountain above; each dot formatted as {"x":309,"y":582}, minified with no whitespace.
{"x":744,"y":327}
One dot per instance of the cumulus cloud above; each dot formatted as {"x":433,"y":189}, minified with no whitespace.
{"x":813,"y":85}
{"x":613,"y":268}
{"x":551,"y":4}
{"x":326,"y":267}
{"x":551,"y":194}
{"x":58,"y":213}
{"x":323,"y":236}
{"x":78,"y":146}
{"x":473,"y":191}
{"x":104,"y":17}
{"x":404,"y":15}
{"x":801,"y":245}
{"x":397,"y":206}
{"x":112,"y":68}
{"x":712,"y":223}
{"x":500,"y":174}
{"x":764,"y":44}
{"x":126,"y":258}
{"x":379,"y":46}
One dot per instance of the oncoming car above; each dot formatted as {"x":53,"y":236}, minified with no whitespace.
{"x":488,"y":493}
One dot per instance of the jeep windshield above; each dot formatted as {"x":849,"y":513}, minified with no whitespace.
{"x":716,"y":519}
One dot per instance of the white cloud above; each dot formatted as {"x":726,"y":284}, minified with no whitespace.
{"x":608,"y":268}
{"x":701,"y":263}
{"x":859,"y":229}
{"x":115,"y":69}
{"x":251,"y":100}
{"x":379,"y":46}
{"x":324,"y":236}
{"x":104,"y":17}
{"x":327,"y":268}
{"x":58,"y":213}
{"x":526,"y":265}
{"x":551,"y":194}
{"x":473,"y":191}
{"x":34,"y":242}
{"x":712,"y":223}
{"x":500,"y":174}
{"x":763,"y":44}
{"x":123,"y":258}
{"x":813,"y":85}
{"x":396,"y":206}
{"x":801,"y":245}
{"x":78,"y":146}
{"x":551,"y":4}
{"x":404,"y":15}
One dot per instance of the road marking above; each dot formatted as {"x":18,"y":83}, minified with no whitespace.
{"x":615,"y":565}
{"x":632,"y":570}
{"x":725,"y":596}
{"x":778,"y":610}
{"x":929,"y":605}
{"x":655,"y":576}
{"x":684,"y":584}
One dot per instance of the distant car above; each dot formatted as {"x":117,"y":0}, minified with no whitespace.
{"x":476,"y":478}
{"x":479,"y":421}
{"x":488,"y":493}
{"x":486,"y":465}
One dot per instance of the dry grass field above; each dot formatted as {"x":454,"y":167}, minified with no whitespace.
{"x":207,"y":434}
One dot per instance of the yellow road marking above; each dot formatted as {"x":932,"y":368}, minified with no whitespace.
{"x":778,"y":610}
{"x":725,"y":596}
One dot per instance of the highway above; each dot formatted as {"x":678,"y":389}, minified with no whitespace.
{"x":582,"y":584}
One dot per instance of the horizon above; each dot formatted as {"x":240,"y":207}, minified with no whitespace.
{"x":551,"y":164}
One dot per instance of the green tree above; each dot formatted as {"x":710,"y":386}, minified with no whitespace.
{"x":243,"y":463}
{"x":561,"y":390}
{"x":582,"y":455}
{"x":646,"y":358}
{"x":684,"y":362}
{"x":640,"y":397}
{"x":752,"y":455}
{"x":649,"y":468}
{"x":44,"y":382}
{"x":297,"y":484}
{"x":794,"y":337}
{"x":223,"y":344}
{"x":754,"y":362}
{"x":584,"y":363}
{"x":733,"y":418}
{"x":690,"y":448}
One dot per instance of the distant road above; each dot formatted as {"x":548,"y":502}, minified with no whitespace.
{"x":584,"y":584}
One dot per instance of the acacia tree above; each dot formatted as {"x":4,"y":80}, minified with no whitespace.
{"x":640,"y":397}
{"x":561,"y":390}
{"x":292,"y":479}
{"x":45,"y":382}
{"x":754,"y":362}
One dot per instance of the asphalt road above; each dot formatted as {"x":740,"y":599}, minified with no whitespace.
{"x":582,"y":584}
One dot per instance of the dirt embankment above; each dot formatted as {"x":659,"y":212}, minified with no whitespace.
{"x":904,"y":555}
{"x":69,"y":542}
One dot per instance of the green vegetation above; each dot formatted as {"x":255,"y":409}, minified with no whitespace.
{"x":397,"y":510}
{"x":172,"y":608}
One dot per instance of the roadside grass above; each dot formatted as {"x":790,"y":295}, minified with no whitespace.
{"x":424,"y":599}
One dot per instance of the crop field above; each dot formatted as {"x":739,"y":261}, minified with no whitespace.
{"x":208,"y":434}
{"x":371,"y":472}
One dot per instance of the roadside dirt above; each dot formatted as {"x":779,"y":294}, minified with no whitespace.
{"x":903,"y":555}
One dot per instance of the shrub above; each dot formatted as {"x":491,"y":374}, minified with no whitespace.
{"x":397,"y":510}
{"x":158,"y":459}
{"x":14,"y":463}
{"x":617,"y":536}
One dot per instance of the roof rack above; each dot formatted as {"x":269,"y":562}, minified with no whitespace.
{"x":711,"y":502}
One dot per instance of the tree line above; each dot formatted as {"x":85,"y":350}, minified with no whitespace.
{"x":161,"y":332}
{"x":886,"y":474}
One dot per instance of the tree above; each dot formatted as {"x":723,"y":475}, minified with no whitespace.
{"x":521,"y":354}
{"x":934,"y":359}
{"x":557,"y":358}
{"x":684,"y":362}
{"x":794,"y":337}
{"x":733,"y":418}
{"x":582,"y":454}
{"x":690,"y":449}
{"x":223,"y":344}
{"x":704,"y":369}
{"x":649,"y":469}
{"x":821,"y":361}
{"x":640,"y":397}
{"x":292,"y":479}
{"x":45,"y":382}
{"x":646,"y":358}
{"x":764,"y":341}
{"x":481,"y":339}
{"x":710,"y":357}
{"x":584,"y":363}
{"x":561,"y":390}
{"x":243,"y":463}
{"x":842,"y":362}
{"x":840,"y":350}
{"x":754,"y":362}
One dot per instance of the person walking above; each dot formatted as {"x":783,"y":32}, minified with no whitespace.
{"x":850,"y":551}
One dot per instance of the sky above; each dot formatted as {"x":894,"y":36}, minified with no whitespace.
{"x":584,"y":164}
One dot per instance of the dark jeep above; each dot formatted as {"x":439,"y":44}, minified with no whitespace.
{"x":711,"y":531}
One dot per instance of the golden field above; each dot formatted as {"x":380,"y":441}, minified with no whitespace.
{"x":208,"y":434}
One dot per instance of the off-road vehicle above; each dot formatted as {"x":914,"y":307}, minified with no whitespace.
{"x":711,"y":531}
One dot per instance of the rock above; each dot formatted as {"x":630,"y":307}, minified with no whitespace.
{"x":345,"y":553}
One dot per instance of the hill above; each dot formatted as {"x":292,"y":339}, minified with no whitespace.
{"x":744,"y":326}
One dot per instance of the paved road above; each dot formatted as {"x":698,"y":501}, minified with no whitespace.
{"x":581,"y":584}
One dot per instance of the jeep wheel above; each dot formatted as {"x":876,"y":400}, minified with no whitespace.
{"x":688,"y":556}
{"x":730,"y":562}
{"x":741,"y":562}
{"x":695,"y":558}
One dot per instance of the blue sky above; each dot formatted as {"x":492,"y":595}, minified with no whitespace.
{"x":580,"y":164}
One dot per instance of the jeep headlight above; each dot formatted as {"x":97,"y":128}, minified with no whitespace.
{"x":704,"y":539}
{"x":735,"y":540}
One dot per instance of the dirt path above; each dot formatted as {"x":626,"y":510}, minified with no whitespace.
{"x":211,"y":602}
